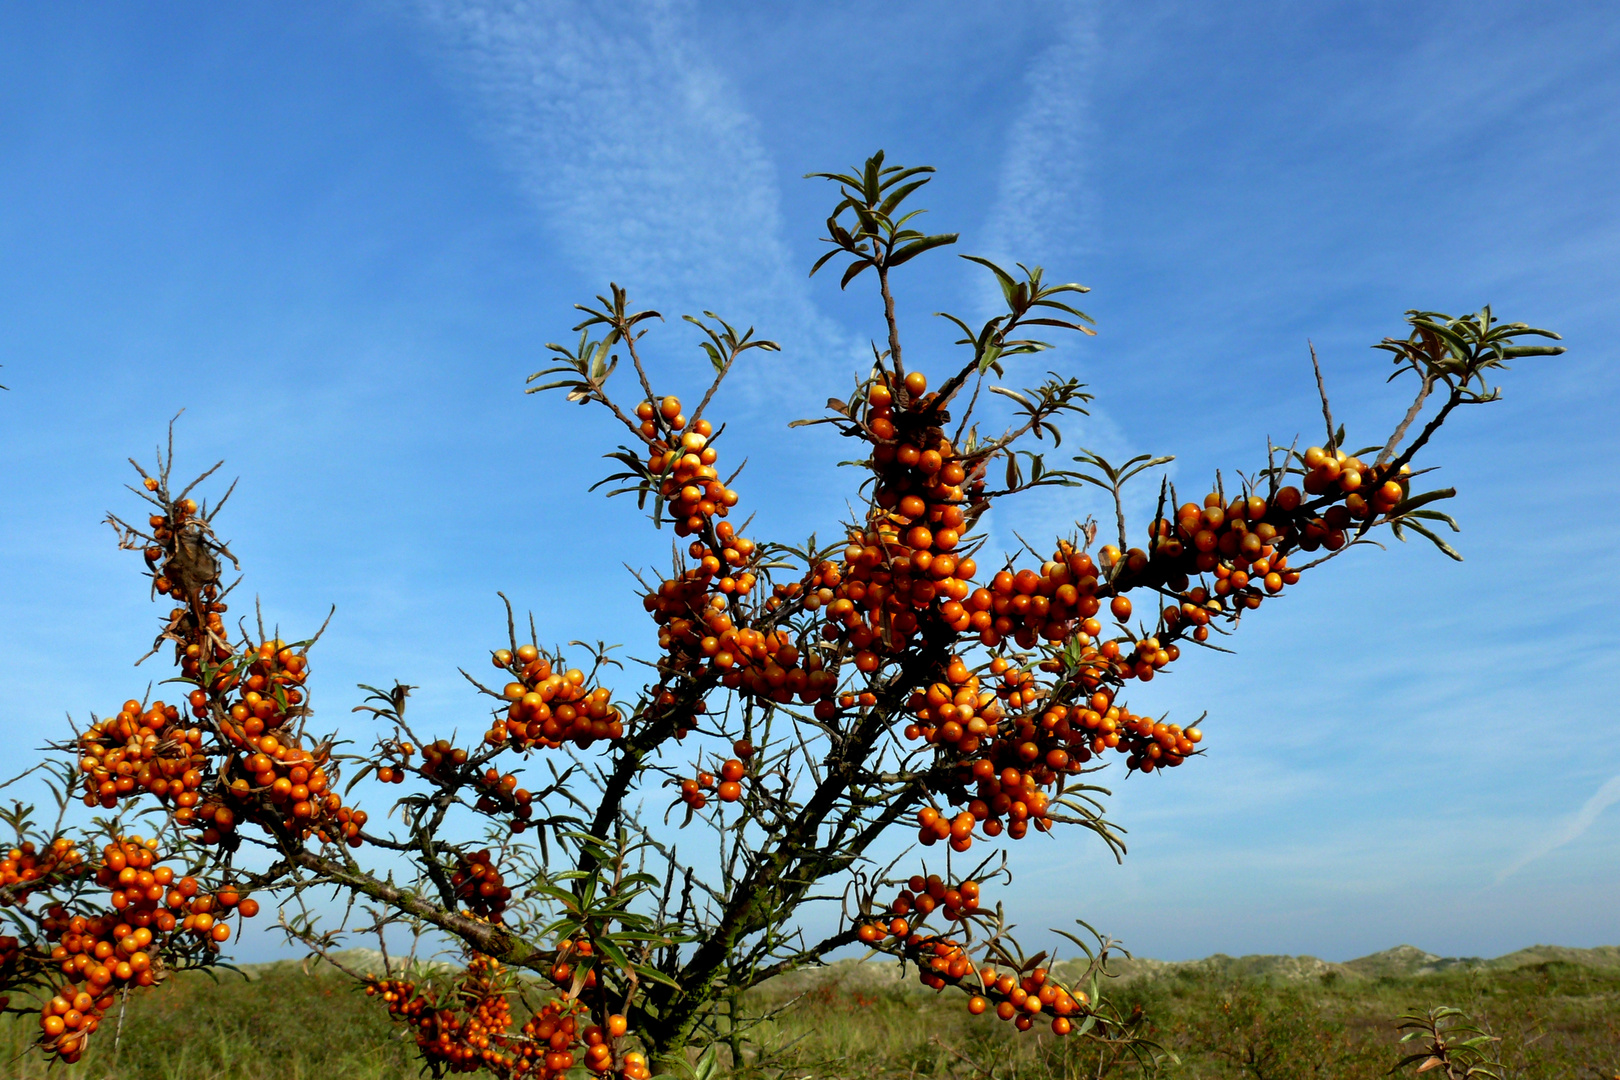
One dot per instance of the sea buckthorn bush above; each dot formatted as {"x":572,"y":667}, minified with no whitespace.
{"x":907,"y":680}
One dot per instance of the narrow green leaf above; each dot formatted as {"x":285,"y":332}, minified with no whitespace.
{"x":823,"y":260}
{"x":708,"y":1066}
{"x":1015,"y":395}
{"x":1444,"y":547}
{"x":1458,"y":345}
{"x":1436,"y":515}
{"x":917,"y":247}
{"x":894,"y":174}
{"x":870,"y":187}
{"x":870,"y":223}
{"x":1412,"y":502}
{"x":896,"y":197}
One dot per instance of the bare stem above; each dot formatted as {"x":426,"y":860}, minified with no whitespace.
{"x":718,"y":379}
{"x":1321,"y":389}
{"x":629,"y":335}
{"x":1429,"y":429}
{"x":1119,"y":515}
{"x":894,"y":327}
{"x":1406,"y":422}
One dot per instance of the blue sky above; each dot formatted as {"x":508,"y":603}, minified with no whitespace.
{"x":340,"y":237}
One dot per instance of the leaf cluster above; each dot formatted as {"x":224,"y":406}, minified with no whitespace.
{"x":876,"y":238}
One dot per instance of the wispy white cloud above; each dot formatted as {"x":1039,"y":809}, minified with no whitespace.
{"x":638,"y":154}
{"x":1042,"y":215}
{"x":1043,"y":206}
{"x":1571,"y":830}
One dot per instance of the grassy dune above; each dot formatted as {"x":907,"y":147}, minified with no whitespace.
{"x":1556,"y":1011}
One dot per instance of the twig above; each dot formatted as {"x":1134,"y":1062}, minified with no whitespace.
{"x":1406,"y":422}
{"x":1321,"y":389}
{"x":118,"y":1035}
{"x":888,"y":314}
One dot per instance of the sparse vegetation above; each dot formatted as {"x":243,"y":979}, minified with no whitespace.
{"x":1556,"y":1020}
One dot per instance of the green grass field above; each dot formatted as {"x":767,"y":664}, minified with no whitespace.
{"x":1558,"y":1019}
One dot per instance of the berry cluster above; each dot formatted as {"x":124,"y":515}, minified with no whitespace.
{"x":271,"y":775}
{"x":68,"y":1020}
{"x":291,"y":776}
{"x":691,"y":488}
{"x":555,"y":1030}
{"x":252,"y":701}
{"x":694,"y":790}
{"x":151,"y":909}
{"x":728,"y":786}
{"x":693,"y":608}
{"x":1245,"y":542}
{"x":1023,"y":996}
{"x":1239,"y":542}
{"x":554,"y":1034}
{"x":922,"y":896}
{"x":956,"y":712}
{"x":471,"y":1028}
{"x":499,"y":792}
{"x":278,"y":779}
{"x":1012,"y":752}
{"x":478,"y":885}
{"x":1056,"y":603}
{"x":1368,"y":490}
{"x":900,"y":572}
{"x":25,"y":869}
{"x":549,"y":707}
{"x":440,"y":757}
{"x":272,"y":691}
{"x":396,"y":758}
{"x":699,"y":636}
{"x":466,"y":1032}
{"x":146,"y":750}
{"x":945,"y":961}
{"x":572,"y":968}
